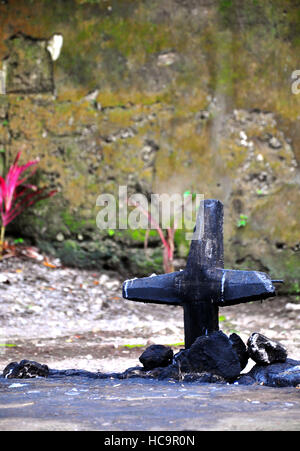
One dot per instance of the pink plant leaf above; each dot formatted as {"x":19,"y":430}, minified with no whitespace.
{"x":171,"y":232}
{"x":154,"y":223}
{"x":168,"y":243}
{"x":13,"y":190}
{"x":26,"y":202}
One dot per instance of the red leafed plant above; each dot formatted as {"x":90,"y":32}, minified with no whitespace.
{"x":16,"y":195}
{"x":168,"y":242}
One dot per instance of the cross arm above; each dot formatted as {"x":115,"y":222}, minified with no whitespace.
{"x":224,"y":287}
{"x":237,"y":287}
{"x":159,"y":289}
{"x":217,"y":286}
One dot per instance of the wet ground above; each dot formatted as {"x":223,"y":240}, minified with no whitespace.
{"x":136,"y":405}
{"x":70,"y":318}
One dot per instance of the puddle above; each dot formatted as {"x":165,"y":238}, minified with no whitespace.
{"x":143,"y":405}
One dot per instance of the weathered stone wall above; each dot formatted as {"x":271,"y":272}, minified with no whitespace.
{"x":160,"y":96}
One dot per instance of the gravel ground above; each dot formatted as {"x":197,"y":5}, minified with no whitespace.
{"x":74,"y":318}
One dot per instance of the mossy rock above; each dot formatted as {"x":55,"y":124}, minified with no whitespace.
{"x":29,"y":66}
{"x":106,"y":255}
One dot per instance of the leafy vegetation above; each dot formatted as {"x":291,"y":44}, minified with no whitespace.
{"x":16,"y":194}
{"x":242,"y":221}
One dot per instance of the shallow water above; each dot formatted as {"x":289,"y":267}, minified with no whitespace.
{"x":78,"y":403}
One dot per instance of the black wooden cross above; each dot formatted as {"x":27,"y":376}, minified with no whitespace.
{"x":204,"y":285}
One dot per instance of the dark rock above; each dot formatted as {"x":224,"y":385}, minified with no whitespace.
{"x":284,"y":374}
{"x":214,"y":354}
{"x":135,"y":371}
{"x":156,"y":356}
{"x":265,"y":351}
{"x":174,"y":373}
{"x":170,"y":372}
{"x":240,"y":349}
{"x":204,"y":378}
{"x":245,"y":379}
{"x":25,"y":369}
{"x":76,"y":372}
{"x":182,"y":361}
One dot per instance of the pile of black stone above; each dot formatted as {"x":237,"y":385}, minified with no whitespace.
{"x":211,"y":358}
{"x":220,"y":359}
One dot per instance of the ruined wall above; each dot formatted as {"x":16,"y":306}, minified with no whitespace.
{"x":160,"y":96}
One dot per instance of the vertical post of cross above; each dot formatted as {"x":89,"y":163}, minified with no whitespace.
{"x":206,"y":251}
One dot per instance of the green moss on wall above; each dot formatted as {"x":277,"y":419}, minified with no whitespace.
{"x":170,"y":74}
